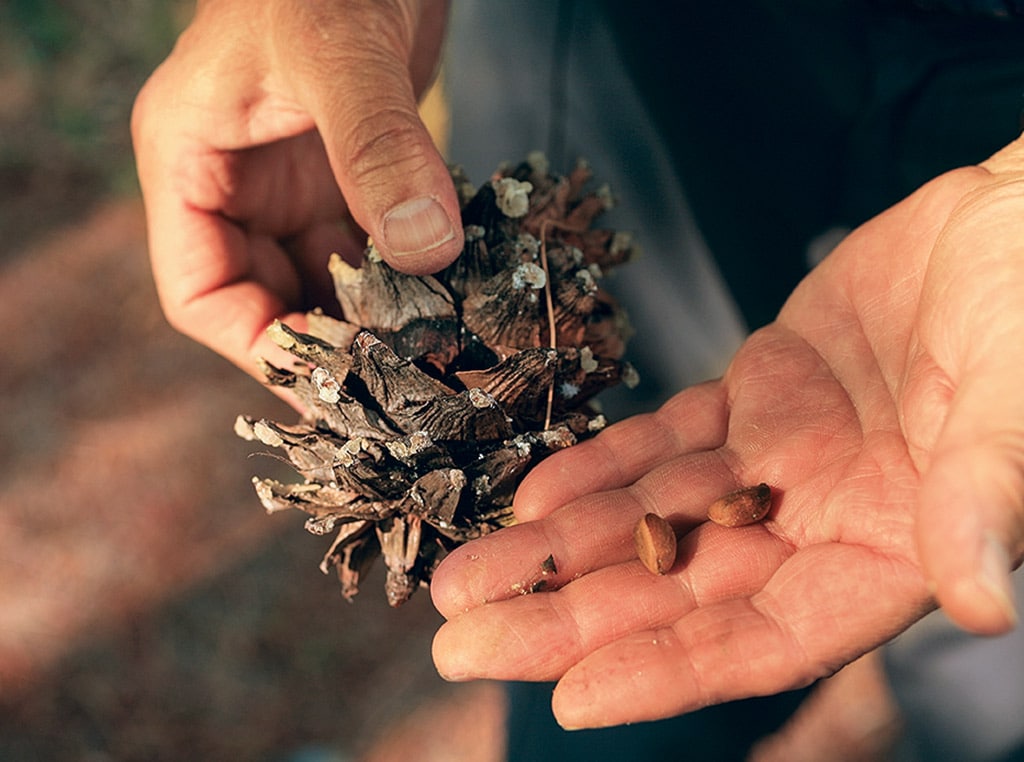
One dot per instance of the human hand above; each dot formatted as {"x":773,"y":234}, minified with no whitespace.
{"x":883,"y":406}
{"x":270,"y":129}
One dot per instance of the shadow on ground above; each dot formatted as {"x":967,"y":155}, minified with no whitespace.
{"x":149,"y":608}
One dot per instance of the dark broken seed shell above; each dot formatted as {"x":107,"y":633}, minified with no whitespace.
{"x":427,"y":403}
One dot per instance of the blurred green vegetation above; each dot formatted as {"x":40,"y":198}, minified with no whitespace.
{"x":69,"y":72}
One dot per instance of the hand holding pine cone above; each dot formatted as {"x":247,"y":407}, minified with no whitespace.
{"x":434,"y":396}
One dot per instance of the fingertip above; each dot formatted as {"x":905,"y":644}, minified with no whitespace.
{"x":480,"y":645}
{"x":965,"y":532}
{"x":975,"y":609}
{"x":421,"y":235}
{"x":572,"y":711}
{"x":553,"y":483}
{"x":446,"y":657}
{"x":457,"y":582}
{"x":442,"y":592}
{"x":982,"y":602}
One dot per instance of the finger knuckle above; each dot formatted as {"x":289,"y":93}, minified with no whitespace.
{"x":390,"y":140}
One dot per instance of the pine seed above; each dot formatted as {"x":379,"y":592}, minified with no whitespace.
{"x":741,"y":507}
{"x":655,"y":542}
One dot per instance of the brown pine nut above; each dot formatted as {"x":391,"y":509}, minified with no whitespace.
{"x":655,"y":542}
{"x":741,"y":507}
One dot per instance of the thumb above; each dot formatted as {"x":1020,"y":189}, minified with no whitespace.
{"x":970,"y":523}
{"x":969,"y":531}
{"x":352,"y":65}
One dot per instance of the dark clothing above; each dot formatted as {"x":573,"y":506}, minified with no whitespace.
{"x":787,"y":118}
{"x":716,"y":734}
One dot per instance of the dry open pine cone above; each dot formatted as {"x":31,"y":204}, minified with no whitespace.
{"x":435,"y":395}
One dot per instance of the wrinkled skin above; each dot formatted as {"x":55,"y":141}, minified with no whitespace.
{"x":883,"y":406}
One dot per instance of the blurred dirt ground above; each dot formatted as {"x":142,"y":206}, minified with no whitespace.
{"x":149,"y":609}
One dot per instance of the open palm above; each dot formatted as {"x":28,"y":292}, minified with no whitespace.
{"x":883,"y":407}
